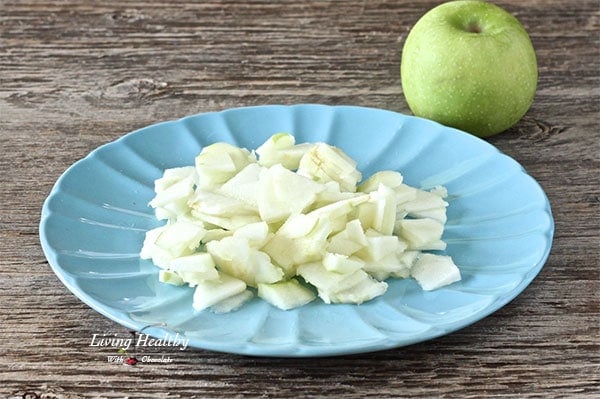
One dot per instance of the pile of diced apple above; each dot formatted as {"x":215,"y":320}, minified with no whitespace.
{"x":291,"y":222}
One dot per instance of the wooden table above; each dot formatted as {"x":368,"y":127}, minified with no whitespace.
{"x":78,"y":74}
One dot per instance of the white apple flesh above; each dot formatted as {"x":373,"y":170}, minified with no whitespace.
{"x":239,"y":226}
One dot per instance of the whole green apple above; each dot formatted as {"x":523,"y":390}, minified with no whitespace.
{"x":470,"y":65}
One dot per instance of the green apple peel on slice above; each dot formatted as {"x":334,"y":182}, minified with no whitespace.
{"x":286,"y":295}
{"x":169,"y":277}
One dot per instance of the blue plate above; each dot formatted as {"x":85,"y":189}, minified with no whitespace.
{"x":499,"y":231}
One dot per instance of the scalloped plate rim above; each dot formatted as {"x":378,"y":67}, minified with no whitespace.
{"x":248,"y":348}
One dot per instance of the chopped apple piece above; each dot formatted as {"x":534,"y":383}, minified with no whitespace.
{"x":169,"y":277}
{"x":332,"y":193}
{"x":149,"y":242}
{"x":160,"y":257}
{"x":256,"y":234}
{"x":366,"y":214}
{"x":172,"y":211}
{"x":227,"y":222}
{"x":286,"y":295}
{"x":332,"y":287}
{"x":216,"y":234}
{"x":341,"y":263}
{"x":343,"y":245}
{"x":282,"y":193}
{"x":379,"y":246}
{"x":355,"y":232}
{"x":435,"y":271}
{"x":194,"y":268}
{"x":325,"y":163}
{"x":341,"y":208}
{"x":421,"y":233}
{"x":172,"y":176}
{"x":388,"y":266}
{"x":301,"y":239}
{"x":406,"y":261}
{"x":389,"y":178}
{"x":219,"y":162}
{"x":173,"y":190}
{"x":235,"y":221}
{"x":405,"y":193}
{"x":440,"y":191}
{"x":384,"y":211}
{"x":328,"y":282}
{"x":178,"y":190}
{"x":365,"y":290}
{"x":438,"y":214}
{"x":281,"y":148}
{"x":244,"y":185}
{"x":180,"y":238}
{"x":235,"y":256}
{"x":232,"y":303}
{"x":349,"y":240}
{"x":212,"y":203}
{"x":211,"y":292}
{"x":425,"y":204}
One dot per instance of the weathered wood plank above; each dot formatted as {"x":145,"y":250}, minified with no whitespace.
{"x":77,"y":74}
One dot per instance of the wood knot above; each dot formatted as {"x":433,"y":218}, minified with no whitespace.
{"x":129,"y":16}
{"x":129,"y":91}
{"x":134,"y":88}
{"x":536,"y":130}
{"x":43,"y":392}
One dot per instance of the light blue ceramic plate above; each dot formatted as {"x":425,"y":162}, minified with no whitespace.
{"x":499,"y":231}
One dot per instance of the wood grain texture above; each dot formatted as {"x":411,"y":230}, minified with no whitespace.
{"x":78,"y":74}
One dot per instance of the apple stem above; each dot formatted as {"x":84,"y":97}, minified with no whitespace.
{"x":473,"y":27}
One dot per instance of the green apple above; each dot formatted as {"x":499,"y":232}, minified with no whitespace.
{"x":470,"y":65}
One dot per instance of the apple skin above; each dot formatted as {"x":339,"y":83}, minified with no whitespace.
{"x":471,"y":65}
